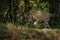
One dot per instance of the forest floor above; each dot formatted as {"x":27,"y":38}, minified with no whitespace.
{"x":24,"y":33}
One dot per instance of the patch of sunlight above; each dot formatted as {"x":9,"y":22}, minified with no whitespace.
{"x":10,"y":26}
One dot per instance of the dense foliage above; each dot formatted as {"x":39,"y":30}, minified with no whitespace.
{"x":15,"y":11}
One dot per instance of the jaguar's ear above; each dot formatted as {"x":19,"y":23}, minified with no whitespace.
{"x":52,"y":15}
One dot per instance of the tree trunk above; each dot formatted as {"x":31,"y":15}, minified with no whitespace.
{"x":11,"y":15}
{"x":51,"y":6}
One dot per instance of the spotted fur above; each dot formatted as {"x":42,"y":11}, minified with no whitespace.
{"x":34,"y":17}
